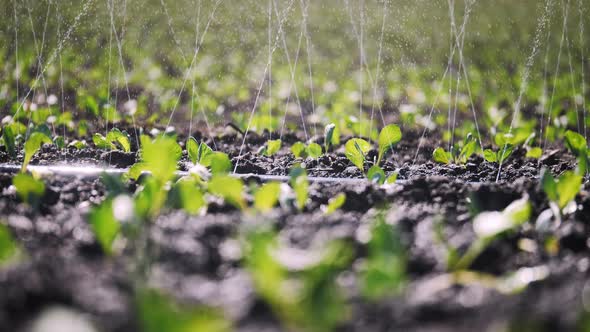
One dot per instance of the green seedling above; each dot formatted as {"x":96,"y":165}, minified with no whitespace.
{"x":576,"y":143}
{"x":267,"y":196}
{"x":29,"y":189}
{"x":534,"y":152}
{"x":78,"y":144}
{"x":229,"y":188}
{"x":60,"y":142}
{"x":561,"y":193}
{"x":199,"y":153}
{"x":159,"y":156}
{"x":377,"y":175}
{"x":318,"y":304}
{"x":334,"y":204}
{"x":10,"y":132}
{"x":32,"y":145}
{"x":9,"y":249}
{"x":158,"y":313}
{"x":388,"y":137}
{"x":120,"y":138}
{"x":506,"y":144}
{"x":114,"y":140}
{"x":488,"y":226}
{"x":220,"y":163}
{"x":202,"y":154}
{"x":531,"y":151}
{"x":300,"y":184}
{"x":299,"y":150}
{"x":104,"y":225}
{"x":384,"y":272}
{"x":499,"y":156}
{"x":313,"y":150}
{"x":186,"y":194}
{"x":450,"y":157}
{"x":271,"y":147}
{"x":330,"y":136}
{"x":356,"y":150}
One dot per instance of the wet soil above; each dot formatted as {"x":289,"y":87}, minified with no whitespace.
{"x":198,"y":260}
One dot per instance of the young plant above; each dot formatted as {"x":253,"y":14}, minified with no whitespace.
{"x":29,"y":189}
{"x":531,"y":151}
{"x":488,"y":226}
{"x":78,"y":144}
{"x":561,"y":193}
{"x":32,"y":145}
{"x":104,"y":225}
{"x":199,"y":153}
{"x":160,"y":158}
{"x":377,"y":175}
{"x":356,"y":150}
{"x":318,"y":304}
{"x":229,"y":188}
{"x":114,"y":140}
{"x":11,"y":133}
{"x":158,"y":313}
{"x":186,"y":194}
{"x":456,"y":156}
{"x":202,"y":154}
{"x":331,"y":136}
{"x":271,"y":147}
{"x":499,"y":156}
{"x":389,"y":136}
{"x":576,"y":143}
{"x":334,"y":204}
{"x":9,"y":249}
{"x":313,"y":150}
{"x":300,"y":185}
{"x":384,"y":272}
{"x":506,"y":143}
{"x":267,"y":196}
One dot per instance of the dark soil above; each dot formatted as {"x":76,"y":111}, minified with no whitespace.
{"x":198,"y":260}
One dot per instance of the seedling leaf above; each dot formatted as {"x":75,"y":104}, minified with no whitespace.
{"x":298,"y":149}
{"x":29,"y":189}
{"x":32,"y":145}
{"x":568,"y":187}
{"x":220,"y":163}
{"x":376,"y":175}
{"x":158,"y":313}
{"x":105,"y":227}
{"x":441,"y":156}
{"x":329,"y":136}
{"x":189,"y":196}
{"x":192,"y":149}
{"x":267,"y":196}
{"x":385,"y":270}
{"x":355,"y":151}
{"x":549,"y":185}
{"x":335,"y":203}
{"x":534,"y":153}
{"x":8,"y":247}
{"x":117,"y":136}
{"x":229,"y":188}
{"x":102,"y":143}
{"x":300,"y":185}
{"x":314,"y":150}
{"x":160,"y":157}
{"x":575,"y":142}
{"x":388,"y":137}
{"x":490,"y":156}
